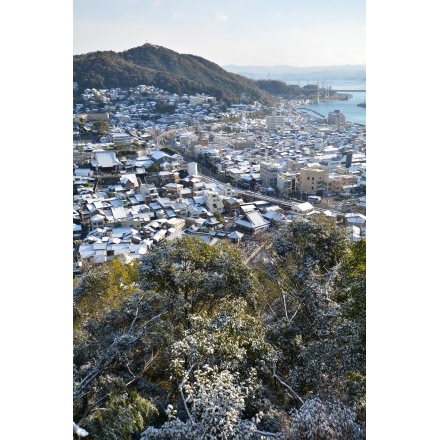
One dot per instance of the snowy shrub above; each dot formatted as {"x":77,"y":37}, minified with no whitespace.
{"x":215,"y":402}
{"x":317,"y":420}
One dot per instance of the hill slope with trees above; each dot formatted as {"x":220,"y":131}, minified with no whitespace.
{"x":192,"y":342}
{"x":165,"y":69}
{"x":180,"y":74}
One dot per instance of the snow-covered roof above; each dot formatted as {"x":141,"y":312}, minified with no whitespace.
{"x":253,"y":220}
{"x":235,"y":235}
{"x":105,"y":159}
{"x":129,"y":178}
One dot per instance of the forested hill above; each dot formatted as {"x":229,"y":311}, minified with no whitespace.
{"x":161,"y":67}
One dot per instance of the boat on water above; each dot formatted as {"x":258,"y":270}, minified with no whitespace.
{"x":362,"y":104}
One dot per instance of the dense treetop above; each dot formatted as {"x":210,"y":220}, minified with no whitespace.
{"x":194,"y":343}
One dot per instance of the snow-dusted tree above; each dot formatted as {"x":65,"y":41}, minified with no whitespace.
{"x":123,"y":414}
{"x":214,"y":404}
{"x":186,"y":330}
{"x":102,"y":287}
{"x":330,"y":420}
{"x":334,"y":365}
{"x":350,"y":326}
{"x":311,"y":243}
{"x":122,"y":330}
{"x":303,"y":268}
{"x":314,"y":269}
{"x":189,"y":276}
{"x":111,"y":354}
{"x":231,"y":340}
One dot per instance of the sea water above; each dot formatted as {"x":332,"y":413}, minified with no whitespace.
{"x":350,"y":109}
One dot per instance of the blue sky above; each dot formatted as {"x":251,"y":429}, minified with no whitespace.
{"x":244,"y":32}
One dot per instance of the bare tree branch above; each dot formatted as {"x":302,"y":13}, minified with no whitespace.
{"x":147,"y":364}
{"x":287,"y":387}
{"x":266,"y":434}
{"x":109,"y":356}
{"x":183,"y":396}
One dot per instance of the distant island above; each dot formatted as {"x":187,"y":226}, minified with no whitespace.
{"x":362,"y":104}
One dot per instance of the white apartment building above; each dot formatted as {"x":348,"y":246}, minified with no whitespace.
{"x":213,"y":201}
{"x":275,"y":122}
{"x":269,"y":173}
{"x":187,"y":139}
{"x":200,"y":99}
{"x":285,"y":182}
{"x":227,"y":191}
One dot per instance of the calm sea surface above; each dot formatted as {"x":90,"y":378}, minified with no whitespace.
{"x":349,"y":108}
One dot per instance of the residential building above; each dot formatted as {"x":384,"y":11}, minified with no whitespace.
{"x":173,"y":190}
{"x":213,"y":201}
{"x":338,"y":182}
{"x":275,"y":122}
{"x":336,"y":118}
{"x":312,"y":178}
{"x":105,"y":160}
{"x":97,"y":116}
{"x":303,"y":208}
{"x":121,"y":138}
{"x":252,"y":223}
{"x":285,"y":183}
{"x":269,"y":174}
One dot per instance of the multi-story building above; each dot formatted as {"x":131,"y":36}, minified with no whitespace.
{"x":312,"y":178}
{"x":173,"y":190}
{"x":338,"y":182}
{"x":122,"y":138}
{"x":285,"y":183}
{"x":227,"y":190}
{"x":275,"y":122}
{"x":200,"y":99}
{"x":268,"y":174}
{"x":213,"y":201}
{"x":97,"y":116}
{"x":336,"y":118}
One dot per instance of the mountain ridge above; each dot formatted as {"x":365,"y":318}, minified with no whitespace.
{"x":166,"y":69}
{"x":182,"y":74}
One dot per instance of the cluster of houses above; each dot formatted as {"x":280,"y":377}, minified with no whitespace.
{"x":141,"y":108}
{"x":121,"y":208}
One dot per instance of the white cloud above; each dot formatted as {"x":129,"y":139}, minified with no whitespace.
{"x":221,"y":16}
{"x":156,"y":3}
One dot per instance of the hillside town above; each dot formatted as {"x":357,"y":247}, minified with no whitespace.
{"x":150,"y":166}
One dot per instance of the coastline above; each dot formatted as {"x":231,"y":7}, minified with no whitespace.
{"x":349,"y":107}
